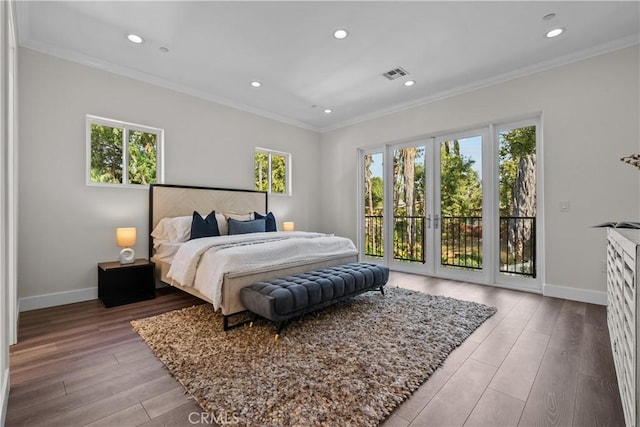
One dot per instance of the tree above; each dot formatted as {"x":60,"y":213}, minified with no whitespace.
{"x":106,"y":154}
{"x":460,"y":184}
{"x":518,"y":186}
{"x":142,"y":151}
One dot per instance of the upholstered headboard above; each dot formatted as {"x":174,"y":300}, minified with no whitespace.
{"x":178,"y":200}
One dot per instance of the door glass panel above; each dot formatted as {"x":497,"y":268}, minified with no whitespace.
{"x":517,"y":169}
{"x":373,"y":205}
{"x":461,"y":203}
{"x":409,"y":204}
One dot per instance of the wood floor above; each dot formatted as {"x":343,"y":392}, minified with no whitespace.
{"x":538,"y":361}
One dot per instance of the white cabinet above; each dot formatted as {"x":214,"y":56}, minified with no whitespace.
{"x":622,"y":318}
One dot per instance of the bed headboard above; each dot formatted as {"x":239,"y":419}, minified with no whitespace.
{"x":167,"y":200}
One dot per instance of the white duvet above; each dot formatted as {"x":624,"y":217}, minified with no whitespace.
{"x":202,"y":263}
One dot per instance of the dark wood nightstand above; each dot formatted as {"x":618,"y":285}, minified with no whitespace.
{"x":122,"y":284}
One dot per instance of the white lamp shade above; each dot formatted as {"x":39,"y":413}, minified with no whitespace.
{"x":126,"y":237}
{"x":288,"y":226}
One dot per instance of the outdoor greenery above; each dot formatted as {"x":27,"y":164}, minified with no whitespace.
{"x":107,"y":146}
{"x":461,"y":202}
{"x":460,"y":207}
{"x":278,"y":172}
{"x":514,"y":145}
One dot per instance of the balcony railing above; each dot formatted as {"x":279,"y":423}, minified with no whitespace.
{"x":461,"y":241}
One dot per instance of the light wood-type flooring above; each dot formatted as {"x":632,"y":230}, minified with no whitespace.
{"x":538,"y":361}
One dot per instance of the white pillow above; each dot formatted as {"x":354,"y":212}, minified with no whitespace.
{"x":161,"y":232}
{"x":178,"y":229}
{"x":223,"y":228}
{"x":239,"y":217}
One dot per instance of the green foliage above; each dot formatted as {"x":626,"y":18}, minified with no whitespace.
{"x":460,"y":184}
{"x":278,"y":172}
{"x":106,"y":154}
{"x":261,"y":171}
{"x":143,"y":154}
{"x":514,"y":145}
{"x":107,"y":144}
{"x":377,"y":194}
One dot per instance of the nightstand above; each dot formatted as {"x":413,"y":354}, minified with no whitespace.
{"x":122,"y":284}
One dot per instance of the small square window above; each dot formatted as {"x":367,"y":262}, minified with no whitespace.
{"x":272,"y":171}
{"x":121,"y":153}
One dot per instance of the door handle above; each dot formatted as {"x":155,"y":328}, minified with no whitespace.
{"x":435,"y":221}
{"x":428,"y":220}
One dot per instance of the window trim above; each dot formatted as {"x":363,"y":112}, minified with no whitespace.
{"x":126,"y":127}
{"x":287,"y":178}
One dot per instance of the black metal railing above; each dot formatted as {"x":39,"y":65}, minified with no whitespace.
{"x":374,"y":244}
{"x":518,"y":245}
{"x":408,"y":238}
{"x":461,"y":241}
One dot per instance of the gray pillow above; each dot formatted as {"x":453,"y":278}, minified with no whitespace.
{"x":244,"y":227}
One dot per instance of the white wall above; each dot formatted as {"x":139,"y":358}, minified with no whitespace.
{"x":67,"y":227}
{"x":8,"y":209}
{"x":590,"y":113}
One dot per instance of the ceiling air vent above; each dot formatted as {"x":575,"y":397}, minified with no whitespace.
{"x":395,"y":73}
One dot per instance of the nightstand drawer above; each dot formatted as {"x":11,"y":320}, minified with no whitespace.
{"x":123,"y":284}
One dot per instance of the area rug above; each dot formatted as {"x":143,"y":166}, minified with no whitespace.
{"x":349,"y":364}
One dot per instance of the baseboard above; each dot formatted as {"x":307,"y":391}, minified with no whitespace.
{"x":4,"y":396}
{"x":58,"y":298}
{"x":575,"y":294}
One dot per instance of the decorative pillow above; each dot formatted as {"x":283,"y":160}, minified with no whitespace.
{"x":161,"y":232}
{"x":173,"y":229}
{"x":204,"y":227}
{"x":180,"y":229}
{"x":238,"y":216}
{"x":223,"y":228}
{"x":269,"y":221}
{"x":244,"y":227}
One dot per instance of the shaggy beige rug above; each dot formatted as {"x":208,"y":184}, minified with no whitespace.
{"x":349,"y":364}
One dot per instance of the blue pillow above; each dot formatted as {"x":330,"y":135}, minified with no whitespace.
{"x":204,"y":227}
{"x":244,"y":227}
{"x":269,"y":221}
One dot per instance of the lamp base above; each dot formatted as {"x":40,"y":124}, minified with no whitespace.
{"x":127,"y":256}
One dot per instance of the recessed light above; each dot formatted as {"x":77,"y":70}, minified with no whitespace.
{"x":409,"y":83}
{"x":340,"y":34}
{"x":256,"y":83}
{"x":134,"y":38}
{"x":328,"y":110}
{"x":548,"y":17}
{"x":164,"y":49}
{"x":554,"y":33}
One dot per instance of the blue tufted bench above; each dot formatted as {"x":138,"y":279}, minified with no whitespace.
{"x":284,"y":298}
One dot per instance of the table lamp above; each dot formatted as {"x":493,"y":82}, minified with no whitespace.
{"x":126,"y":237}
{"x":288,"y":226}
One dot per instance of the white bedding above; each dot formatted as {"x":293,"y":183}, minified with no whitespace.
{"x":165,"y":251}
{"x":202,"y":263}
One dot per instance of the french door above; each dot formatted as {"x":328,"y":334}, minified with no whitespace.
{"x":455,"y":205}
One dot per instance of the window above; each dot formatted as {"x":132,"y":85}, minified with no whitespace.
{"x":121,"y":153}
{"x":272,"y":171}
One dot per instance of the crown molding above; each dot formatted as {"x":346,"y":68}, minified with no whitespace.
{"x":92,"y":62}
{"x":99,"y":64}
{"x":500,"y":78}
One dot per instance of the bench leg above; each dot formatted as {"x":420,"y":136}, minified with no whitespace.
{"x":225,"y":322}
{"x":382,"y":290}
{"x":279,"y":329}
{"x":253,"y":320}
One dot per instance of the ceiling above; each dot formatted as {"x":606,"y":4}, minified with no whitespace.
{"x":215,"y":49}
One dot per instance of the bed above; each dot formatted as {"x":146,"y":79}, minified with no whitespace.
{"x":179,"y":201}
